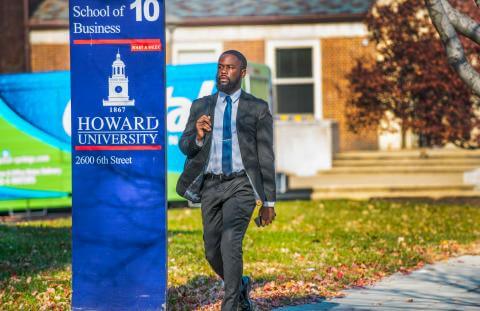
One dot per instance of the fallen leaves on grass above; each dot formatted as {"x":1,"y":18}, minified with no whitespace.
{"x":206,"y":293}
{"x":335,"y":245}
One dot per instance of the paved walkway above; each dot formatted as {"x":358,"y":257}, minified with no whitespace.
{"x":449,"y":285}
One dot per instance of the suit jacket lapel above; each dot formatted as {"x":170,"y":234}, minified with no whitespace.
{"x":241,"y":111}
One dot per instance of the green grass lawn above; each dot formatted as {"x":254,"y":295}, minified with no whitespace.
{"x":313,"y":250}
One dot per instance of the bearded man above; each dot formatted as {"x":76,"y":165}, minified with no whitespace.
{"x":228,"y":141}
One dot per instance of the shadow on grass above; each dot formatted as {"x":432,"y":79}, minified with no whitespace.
{"x":26,"y":250}
{"x":184,"y":232}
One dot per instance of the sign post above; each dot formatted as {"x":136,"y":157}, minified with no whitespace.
{"x":118,"y":154}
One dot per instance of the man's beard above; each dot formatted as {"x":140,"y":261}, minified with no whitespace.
{"x":230,"y":86}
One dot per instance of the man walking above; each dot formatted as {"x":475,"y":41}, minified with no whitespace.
{"x":228,"y":141}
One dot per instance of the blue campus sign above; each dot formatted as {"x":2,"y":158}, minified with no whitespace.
{"x":118,"y":154}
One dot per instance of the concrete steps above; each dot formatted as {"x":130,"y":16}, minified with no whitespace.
{"x":406,"y":162}
{"x":405,"y":169}
{"x":389,"y":179}
{"x":397,"y":174}
{"x":415,"y":154}
{"x":394,"y":191}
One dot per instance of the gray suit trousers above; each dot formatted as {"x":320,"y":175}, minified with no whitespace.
{"x":227,"y":207}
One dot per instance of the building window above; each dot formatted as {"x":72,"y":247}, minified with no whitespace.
{"x":296,"y":76}
{"x":293,"y":68}
{"x":293,"y":63}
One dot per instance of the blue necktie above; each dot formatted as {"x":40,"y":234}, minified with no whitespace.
{"x":227,"y":138}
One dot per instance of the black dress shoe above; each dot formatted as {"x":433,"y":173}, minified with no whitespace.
{"x":245,"y":304}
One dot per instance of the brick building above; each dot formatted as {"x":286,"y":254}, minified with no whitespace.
{"x":14,"y":42}
{"x":309,"y":46}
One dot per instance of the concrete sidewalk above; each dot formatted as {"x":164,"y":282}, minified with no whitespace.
{"x":449,"y":285}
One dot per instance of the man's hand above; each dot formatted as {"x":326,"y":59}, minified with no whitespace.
{"x":267,"y":214}
{"x":203,"y":125}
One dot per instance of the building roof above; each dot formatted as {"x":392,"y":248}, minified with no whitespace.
{"x":51,"y":11}
{"x":233,"y":12}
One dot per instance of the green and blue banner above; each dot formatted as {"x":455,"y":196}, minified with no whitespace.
{"x":35,"y":168}
{"x":118,"y":122}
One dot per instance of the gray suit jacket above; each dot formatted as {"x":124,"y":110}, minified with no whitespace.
{"x":255,"y":138}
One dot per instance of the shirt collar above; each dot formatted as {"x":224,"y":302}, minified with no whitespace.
{"x":235,"y":96}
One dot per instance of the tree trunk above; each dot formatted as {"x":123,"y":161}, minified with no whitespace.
{"x":404,"y":138}
{"x":447,"y":30}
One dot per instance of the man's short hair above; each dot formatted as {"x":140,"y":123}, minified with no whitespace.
{"x":238,"y":55}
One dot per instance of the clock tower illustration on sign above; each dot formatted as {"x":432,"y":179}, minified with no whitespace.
{"x":118,"y":86}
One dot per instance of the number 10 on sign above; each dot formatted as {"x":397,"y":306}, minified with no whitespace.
{"x":150,"y":10}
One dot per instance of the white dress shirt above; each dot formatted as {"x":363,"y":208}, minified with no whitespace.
{"x":215,"y":160}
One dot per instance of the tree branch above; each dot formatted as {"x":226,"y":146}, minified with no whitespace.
{"x":462,"y":23}
{"x":453,"y":46}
